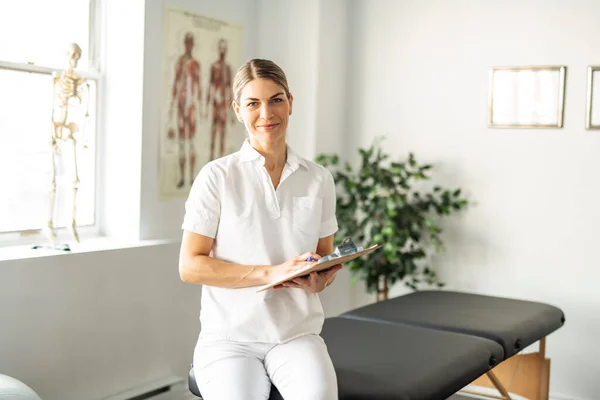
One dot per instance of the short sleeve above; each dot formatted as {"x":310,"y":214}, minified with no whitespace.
{"x":203,"y":206}
{"x":329,"y":224}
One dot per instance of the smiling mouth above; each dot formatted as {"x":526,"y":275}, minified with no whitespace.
{"x":269,"y":126}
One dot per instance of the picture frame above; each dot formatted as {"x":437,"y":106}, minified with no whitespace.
{"x":592,"y":115}
{"x":526,"y":96}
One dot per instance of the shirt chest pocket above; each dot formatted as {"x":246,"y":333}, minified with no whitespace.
{"x":306,"y":214}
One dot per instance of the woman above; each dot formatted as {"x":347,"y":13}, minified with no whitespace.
{"x":253,"y":217}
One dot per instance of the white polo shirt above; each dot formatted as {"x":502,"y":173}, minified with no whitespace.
{"x":233,"y":201}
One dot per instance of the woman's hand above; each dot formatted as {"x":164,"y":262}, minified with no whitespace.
{"x":315,"y":282}
{"x":289,"y":267}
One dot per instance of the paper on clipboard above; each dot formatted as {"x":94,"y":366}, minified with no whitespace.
{"x":316,"y":266}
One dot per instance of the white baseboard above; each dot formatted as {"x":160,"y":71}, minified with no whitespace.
{"x":560,"y":396}
{"x":174,"y":380}
{"x":148,"y":388}
{"x":485,"y":391}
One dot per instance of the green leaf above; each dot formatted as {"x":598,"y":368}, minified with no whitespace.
{"x":383,"y":201}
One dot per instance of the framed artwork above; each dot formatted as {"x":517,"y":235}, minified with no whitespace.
{"x":526,"y":97}
{"x":200,"y":55}
{"x":592,"y":119}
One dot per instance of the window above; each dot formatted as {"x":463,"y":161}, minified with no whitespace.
{"x":34,"y":38}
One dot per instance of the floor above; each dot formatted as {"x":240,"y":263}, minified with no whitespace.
{"x":182,"y":393}
{"x":179,"y":392}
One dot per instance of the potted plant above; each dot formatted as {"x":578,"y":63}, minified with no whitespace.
{"x":386,"y":201}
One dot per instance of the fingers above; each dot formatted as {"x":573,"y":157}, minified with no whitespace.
{"x":311,"y":283}
{"x":301,"y":281}
{"x":310,"y":255}
{"x":328,"y":274}
{"x":314,"y":281}
{"x":291,"y":284}
{"x":303,"y":256}
{"x":336,"y":268}
{"x":331,"y":271}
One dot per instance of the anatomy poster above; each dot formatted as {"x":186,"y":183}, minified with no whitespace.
{"x":200,"y":58}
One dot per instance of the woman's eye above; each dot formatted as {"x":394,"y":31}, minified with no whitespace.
{"x":251,"y":104}
{"x":277,"y":100}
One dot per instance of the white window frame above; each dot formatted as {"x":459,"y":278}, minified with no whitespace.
{"x":92,"y":73}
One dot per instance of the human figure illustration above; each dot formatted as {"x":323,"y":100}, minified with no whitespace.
{"x":186,"y":90}
{"x":219,"y":91}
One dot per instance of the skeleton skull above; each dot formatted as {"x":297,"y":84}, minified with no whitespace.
{"x":73,"y":54}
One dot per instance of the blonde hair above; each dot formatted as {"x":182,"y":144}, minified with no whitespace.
{"x":258,"y":68}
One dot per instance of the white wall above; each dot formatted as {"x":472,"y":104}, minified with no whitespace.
{"x":416,"y":72}
{"x":420,"y":76}
{"x":120,"y":119}
{"x":90,"y":325}
{"x":308,"y":40}
{"x":162,"y":219}
{"x":288,"y":34}
{"x":300,"y":37}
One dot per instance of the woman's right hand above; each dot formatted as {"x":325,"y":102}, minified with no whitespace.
{"x":289,"y":267}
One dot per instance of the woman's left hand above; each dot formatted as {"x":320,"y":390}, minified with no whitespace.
{"x":314,"y":283}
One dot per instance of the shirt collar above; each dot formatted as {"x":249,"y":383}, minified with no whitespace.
{"x":249,"y":153}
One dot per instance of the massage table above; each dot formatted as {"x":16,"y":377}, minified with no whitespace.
{"x":430,"y":345}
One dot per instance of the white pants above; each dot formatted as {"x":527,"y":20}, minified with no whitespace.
{"x":300,"y":369}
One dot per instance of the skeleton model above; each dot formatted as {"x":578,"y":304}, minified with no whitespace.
{"x":69,"y":91}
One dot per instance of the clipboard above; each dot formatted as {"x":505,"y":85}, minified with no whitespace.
{"x":316,"y":266}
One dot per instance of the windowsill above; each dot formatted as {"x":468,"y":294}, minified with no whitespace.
{"x":88,"y":245}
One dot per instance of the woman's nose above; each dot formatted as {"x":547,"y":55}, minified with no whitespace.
{"x":265,"y":111}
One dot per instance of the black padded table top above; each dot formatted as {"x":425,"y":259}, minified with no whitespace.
{"x":514,"y":324}
{"x":387,"y":361}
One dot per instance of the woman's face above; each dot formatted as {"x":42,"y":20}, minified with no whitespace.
{"x":264,"y":109}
